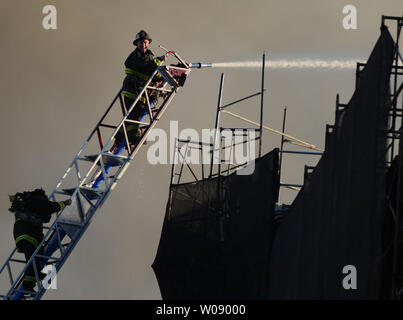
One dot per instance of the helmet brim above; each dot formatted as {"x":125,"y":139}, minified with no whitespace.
{"x":137,"y":40}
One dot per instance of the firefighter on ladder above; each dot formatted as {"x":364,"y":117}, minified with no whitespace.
{"x":140,"y":64}
{"x":31,"y":210}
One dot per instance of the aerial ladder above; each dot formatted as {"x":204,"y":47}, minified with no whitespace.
{"x":92,"y":175}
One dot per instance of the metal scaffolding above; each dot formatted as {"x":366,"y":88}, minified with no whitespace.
{"x":394,"y":149}
{"x":221,"y":154}
{"x":213,"y":167}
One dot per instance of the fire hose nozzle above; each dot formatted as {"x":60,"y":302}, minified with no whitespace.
{"x":200,"y":65}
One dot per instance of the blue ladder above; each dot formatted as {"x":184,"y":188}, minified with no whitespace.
{"x":94,"y":184}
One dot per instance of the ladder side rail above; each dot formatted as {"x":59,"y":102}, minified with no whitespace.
{"x":108,"y":143}
{"x":51,"y":229}
{"x":117,"y":176}
{"x":54,"y":227}
{"x":29,"y":262}
{"x":104,"y":169}
{"x":65,"y":253}
{"x":72,"y":244}
{"x":91,"y":136}
{"x":17,"y":281}
{"x":74,"y":162}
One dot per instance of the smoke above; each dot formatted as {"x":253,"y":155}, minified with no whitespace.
{"x":291,"y":64}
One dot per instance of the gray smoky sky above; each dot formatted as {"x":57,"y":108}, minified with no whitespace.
{"x":55,"y":84}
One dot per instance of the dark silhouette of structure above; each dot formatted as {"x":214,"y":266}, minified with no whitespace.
{"x":347,"y":212}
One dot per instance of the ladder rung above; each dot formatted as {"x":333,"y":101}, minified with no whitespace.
{"x":88,"y":191}
{"x":69,"y":191}
{"x":109,"y":160}
{"x":107,"y":126}
{"x":47,"y":257}
{"x":159,"y":89}
{"x":167,"y":76}
{"x":91,"y":192}
{"x":70,"y":223}
{"x":25,"y":291}
{"x":17,"y":260}
{"x":63,"y":192}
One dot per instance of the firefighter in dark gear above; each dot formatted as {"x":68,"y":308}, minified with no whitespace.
{"x":140,"y":64}
{"x":31,"y":210}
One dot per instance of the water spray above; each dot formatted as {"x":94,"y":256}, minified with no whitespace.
{"x":283,"y":64}
{"x":200,"y":65}
{"x":273,"y":64}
